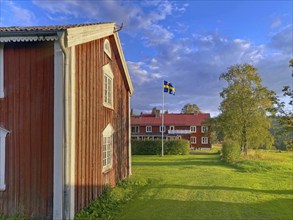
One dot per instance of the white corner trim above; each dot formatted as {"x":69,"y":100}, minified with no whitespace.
{"x":1,"y":70}
{"x":69,"y":163}
{"x":3,"y":133}
{"x":58,"y":133}
{"x":129,"y":137}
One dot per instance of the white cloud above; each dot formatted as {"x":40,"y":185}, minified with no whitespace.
{"x":193,"y":64}
{"x":65,"y":7}
{"x":276,"y":23}
{"x":21,"y":16}
{"x":140,"y":20}
{"x":141,"y":73}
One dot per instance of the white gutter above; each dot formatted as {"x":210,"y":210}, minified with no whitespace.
{"x":68,"y":129}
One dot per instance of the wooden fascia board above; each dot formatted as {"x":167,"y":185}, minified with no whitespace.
{"x":121,"y":54}
{"x":80,"y":35}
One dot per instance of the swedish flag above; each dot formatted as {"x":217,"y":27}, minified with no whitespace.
{"x":168,"y":87}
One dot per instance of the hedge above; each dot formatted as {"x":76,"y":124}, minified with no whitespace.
{"x":154,"y":147}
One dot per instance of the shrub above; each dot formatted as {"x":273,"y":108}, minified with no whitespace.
{"x":146,"y":147}
{"x":154,"y":147}
{"x":230,"y":151}
{"x":176,"y":147}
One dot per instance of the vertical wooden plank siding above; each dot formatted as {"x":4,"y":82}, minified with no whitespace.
{"x":92,"y":118}
{"x":27,"y":112}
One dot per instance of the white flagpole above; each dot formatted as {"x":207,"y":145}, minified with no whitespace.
{"x":163,"y":123}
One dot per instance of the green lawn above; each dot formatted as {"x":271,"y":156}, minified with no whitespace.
{"x":201,"y":186}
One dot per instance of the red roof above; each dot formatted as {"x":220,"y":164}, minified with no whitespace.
{"x":170,"y":119}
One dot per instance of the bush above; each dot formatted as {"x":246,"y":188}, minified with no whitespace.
{"x":146,"y":147}
{"x":230,"y":151}
{"x":154,"y":147}
{"x":177,"y":147}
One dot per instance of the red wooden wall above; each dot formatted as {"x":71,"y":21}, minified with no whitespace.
{"x":27,"y":111}
{"x":198,"y":134}
{"x":92,"y":118}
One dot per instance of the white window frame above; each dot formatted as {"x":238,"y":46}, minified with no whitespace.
{"x":107,"y":148}
{"x":204,"y":129}
{"x":1,"y":70}
{"x":3,"y":134}
{"x":148,"y":128}
{"x":108,"y":86}
{"x":107,"y":48}
{"x":193,"y":140}
{"x":193,"y":129}
{"x":162,"y":128}
{"x":204,"y":140}
{"x":136,"y":129}
{"x":172,"y":128}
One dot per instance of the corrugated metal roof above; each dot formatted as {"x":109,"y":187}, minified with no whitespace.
{"x":171,"y":119}
{"x":45,"y":28}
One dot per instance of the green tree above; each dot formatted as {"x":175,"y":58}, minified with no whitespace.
{"x":285,"y":117}
{"x":244,"y":108}
{"x":283,"y":138}
{"x":291,"y":63}
{"x":190,"y":108}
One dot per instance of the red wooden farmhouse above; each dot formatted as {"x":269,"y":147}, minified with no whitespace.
{"x":64,"y":118}
{"x":191,"y":127}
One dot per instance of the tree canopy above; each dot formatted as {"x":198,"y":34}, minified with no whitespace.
{"x":244,"y":108}
{"x":285,"y":117}
{"x":190,"y":108}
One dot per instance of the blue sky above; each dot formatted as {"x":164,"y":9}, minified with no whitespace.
{"x":189,"y":43}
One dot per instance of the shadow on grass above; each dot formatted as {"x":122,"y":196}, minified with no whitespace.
{"x":204,"y":153}
{"x":206,"y":161}
{"x":175,"y":209}
{"x":279,"y":192}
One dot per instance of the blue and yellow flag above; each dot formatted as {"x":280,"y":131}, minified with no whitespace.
{"x":168,"y":87}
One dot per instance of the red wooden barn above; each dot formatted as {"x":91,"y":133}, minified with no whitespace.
{"x":64,"y":118}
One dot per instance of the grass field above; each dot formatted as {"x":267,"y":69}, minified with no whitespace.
{"x":201,"y":186}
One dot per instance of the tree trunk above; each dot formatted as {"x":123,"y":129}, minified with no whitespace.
{"x":245,"y":150}
{"x":244,"y":141}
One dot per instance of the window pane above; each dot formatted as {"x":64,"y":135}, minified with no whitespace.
{"x":107,"y":151}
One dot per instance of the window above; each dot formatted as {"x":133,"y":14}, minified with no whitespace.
{"x":107,"y":48}
{"x":204,"y":140}
{"x":1,"y":71}
{"x":193,"y":129}
{"x":172,"y":128}
{"x":108,"y":86}
{"x":148,"y":128}
{"x":204,"y":129}
{"x":3,"y":133}
{"x":135,"y":129}
{"x":162,"y":128}
{"x":193,"y":140}
{"x":107,"y":147}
